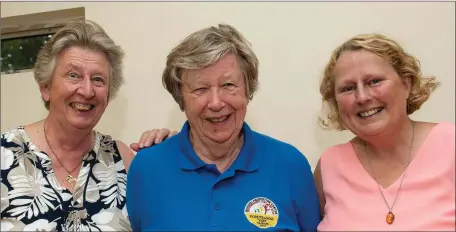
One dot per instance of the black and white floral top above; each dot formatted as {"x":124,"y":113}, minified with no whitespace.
{"x":33,"y":200}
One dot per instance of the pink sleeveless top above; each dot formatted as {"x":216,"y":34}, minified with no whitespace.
{"x":426,"y":201}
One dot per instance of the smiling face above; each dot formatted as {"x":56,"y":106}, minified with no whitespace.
{"x":214,"y":100}
{"x":370,"y":95}
{"x":78,"y":93}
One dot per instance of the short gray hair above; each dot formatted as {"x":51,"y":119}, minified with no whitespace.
{"x":205,"y":47}
{"x":85,"y":34}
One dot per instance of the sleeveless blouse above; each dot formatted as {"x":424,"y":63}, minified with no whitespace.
{"x":426,"y":201}
{"x":33,"y":200}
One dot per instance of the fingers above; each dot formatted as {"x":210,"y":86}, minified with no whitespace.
{"x":172,"y":133}
{"x":147,"y":138}
{"x":162,"y":135}
{"x":134,"y":147}
{"x":150,"y":137}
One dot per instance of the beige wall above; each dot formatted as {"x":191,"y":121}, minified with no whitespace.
{"x":293,"y":42}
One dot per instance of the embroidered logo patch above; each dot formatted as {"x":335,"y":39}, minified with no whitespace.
{"x":262,"y":212}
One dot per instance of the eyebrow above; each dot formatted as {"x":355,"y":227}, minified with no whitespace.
{"x":73,"y":66}
{"x":78,"y":68}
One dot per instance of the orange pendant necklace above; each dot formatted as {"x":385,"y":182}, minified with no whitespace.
{"x":390,"y":217}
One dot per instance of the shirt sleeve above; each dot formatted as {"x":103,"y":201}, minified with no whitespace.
{"x":308,"y":209}
{"x":134,"y":196}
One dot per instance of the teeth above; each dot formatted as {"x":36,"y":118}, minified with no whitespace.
{"x":216,"y":120}
{"x":80,"y":106}
{"x":369,"y":113}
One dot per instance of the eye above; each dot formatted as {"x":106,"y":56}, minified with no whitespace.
{"x":98,"y":80}
{"x":199,"y":91}
{"x":73,"y":75}
{"x":229,"y":86}
{"x":348,"y":88}
{"x":375,"y":81}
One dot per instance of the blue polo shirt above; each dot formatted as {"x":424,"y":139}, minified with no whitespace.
{"x":268,"y":187}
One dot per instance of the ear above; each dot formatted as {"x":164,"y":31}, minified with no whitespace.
{"x":45,"y":93}
{"x":408,"y":85}
{"x":181,"y":104}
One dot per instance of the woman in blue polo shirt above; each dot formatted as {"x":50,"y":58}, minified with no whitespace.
{"x":217,"y":173}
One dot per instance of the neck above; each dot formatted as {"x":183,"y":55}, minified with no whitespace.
{"x":396,"y":142}
{"x":222,"y":155}
{"x":66,"y":139}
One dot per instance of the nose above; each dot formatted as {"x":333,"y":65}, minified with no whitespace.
{"x":362,"y":95}
{"x":215,"y":102}
{"x":86,"y":88}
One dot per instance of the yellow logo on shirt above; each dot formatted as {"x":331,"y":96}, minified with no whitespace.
{"x":262,"y":212}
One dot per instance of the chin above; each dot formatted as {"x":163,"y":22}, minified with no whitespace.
{"x":83,"y":124}
{"x":221,"y":136}
{"x":371,"y":129}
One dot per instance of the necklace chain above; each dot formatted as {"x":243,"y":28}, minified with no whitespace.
{"x":69,"y":178}
{"x":403,"y":174}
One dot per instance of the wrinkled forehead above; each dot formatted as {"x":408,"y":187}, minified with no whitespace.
{"x":203,"y":77}
{"x":83,"y":57}
{"x":226,"y":69}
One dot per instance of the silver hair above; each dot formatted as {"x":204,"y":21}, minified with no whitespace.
{"x":205,"y":47}
{"x":85,"y":34}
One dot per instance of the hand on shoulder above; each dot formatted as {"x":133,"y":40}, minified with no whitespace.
{"x":151,"y":137}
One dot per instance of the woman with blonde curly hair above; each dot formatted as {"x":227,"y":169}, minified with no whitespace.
{"x":397,"y":173}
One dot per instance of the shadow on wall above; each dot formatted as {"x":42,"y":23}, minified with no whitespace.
{"x":176,"y":118}
{"x":326,"y":138}
{"x":113,"y":120}
{"x":252,"y":113}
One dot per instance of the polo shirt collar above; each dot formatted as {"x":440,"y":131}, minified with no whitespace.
{"x":246,"y":161}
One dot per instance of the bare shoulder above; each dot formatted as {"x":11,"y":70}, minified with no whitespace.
{"x":126,"y":153}
{"x":317,"y":173}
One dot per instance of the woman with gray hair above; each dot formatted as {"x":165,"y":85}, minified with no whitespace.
{"x":217,"y":173}
{"x":58,"y":173}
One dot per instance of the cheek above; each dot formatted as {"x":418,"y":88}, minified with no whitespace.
{"x":378,"y":93}
{"x":102,"y":94}
{"x":387,"y":95}
{"x":194,"y":105}
{"x":61,"y":91}
{"x":237,"y":99}
{"x":345,"y":104}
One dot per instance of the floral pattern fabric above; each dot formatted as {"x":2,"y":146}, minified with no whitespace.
{"x":33,"y":200}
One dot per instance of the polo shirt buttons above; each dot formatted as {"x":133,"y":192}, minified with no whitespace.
{"x":217,"y":207}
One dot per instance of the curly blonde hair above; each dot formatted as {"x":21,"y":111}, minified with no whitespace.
{"x":85,"y":34}
{"x":406,"y":66}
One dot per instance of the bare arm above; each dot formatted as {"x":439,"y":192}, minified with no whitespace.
{"x":126,"y":153}
{"x":148,"y":138}
{"x":319,"y":185}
